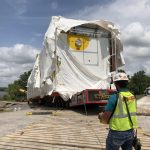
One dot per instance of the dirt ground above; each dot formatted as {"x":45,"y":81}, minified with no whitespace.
{"x":16,"y":115}
{"x":143,"y":106}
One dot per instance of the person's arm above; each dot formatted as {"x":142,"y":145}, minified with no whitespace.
{"x":104,"y":117}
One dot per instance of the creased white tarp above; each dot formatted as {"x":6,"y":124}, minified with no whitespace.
{"x":56,"y":69}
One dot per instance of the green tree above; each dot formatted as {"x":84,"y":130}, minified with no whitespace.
{"x":23,"y":79}
{"x":13,"y":90}
{"x":139,"y":82}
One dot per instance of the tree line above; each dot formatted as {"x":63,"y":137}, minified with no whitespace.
{"x":13,"y":90}
{"x":137,"y":84}
{"x":3,"y":88}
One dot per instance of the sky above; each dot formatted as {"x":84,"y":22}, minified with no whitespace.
{"x":23,"y":24}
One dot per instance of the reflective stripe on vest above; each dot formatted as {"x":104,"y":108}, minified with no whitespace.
{"x":124,"y":116}
{"x":120,"y":120}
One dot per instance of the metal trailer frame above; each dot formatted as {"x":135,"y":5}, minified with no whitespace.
{"x":91,"y":97}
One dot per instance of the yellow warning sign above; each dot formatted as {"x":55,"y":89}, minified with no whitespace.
{"x":77,"y":42}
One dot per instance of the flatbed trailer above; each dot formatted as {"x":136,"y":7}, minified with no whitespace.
{"x":86,"y":97}
{"x":91,"y":97}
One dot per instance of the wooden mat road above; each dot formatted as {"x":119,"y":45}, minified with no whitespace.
{"x":63,"y":130}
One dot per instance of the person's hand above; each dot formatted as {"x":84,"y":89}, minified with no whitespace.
{"x":104,"y":117}
{"x":100,"y":116}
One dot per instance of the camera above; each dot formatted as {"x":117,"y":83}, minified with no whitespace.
{"x":136,"y":143}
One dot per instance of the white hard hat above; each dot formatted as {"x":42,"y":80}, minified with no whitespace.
{"x":120,"y":77}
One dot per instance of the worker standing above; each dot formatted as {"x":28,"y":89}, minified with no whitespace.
{"x":120,"y":114}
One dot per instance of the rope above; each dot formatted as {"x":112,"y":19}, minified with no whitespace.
{"x":85,"y":108}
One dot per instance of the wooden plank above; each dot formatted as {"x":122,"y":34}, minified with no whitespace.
{"x":68,"y":130}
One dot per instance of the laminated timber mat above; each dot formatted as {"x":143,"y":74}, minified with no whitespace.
{"x":63,"y":130}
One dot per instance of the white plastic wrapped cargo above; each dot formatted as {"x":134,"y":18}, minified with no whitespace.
{"x":76,"y":56}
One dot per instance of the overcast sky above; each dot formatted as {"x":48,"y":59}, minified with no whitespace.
{"x":23,"y":24}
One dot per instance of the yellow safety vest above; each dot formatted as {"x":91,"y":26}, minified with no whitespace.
{"x":119,"y":120}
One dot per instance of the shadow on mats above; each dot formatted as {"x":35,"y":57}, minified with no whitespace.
{"x":88,"y":110}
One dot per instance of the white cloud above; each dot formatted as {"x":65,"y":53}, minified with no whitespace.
{"x":135,"y":34}
{"x":135,"y":29}
{"x":120,"y":12}
{"x":14,"y":61}
{"x":137,"y":59}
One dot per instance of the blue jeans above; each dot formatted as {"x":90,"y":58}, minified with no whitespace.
{"x":117,"y":139}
